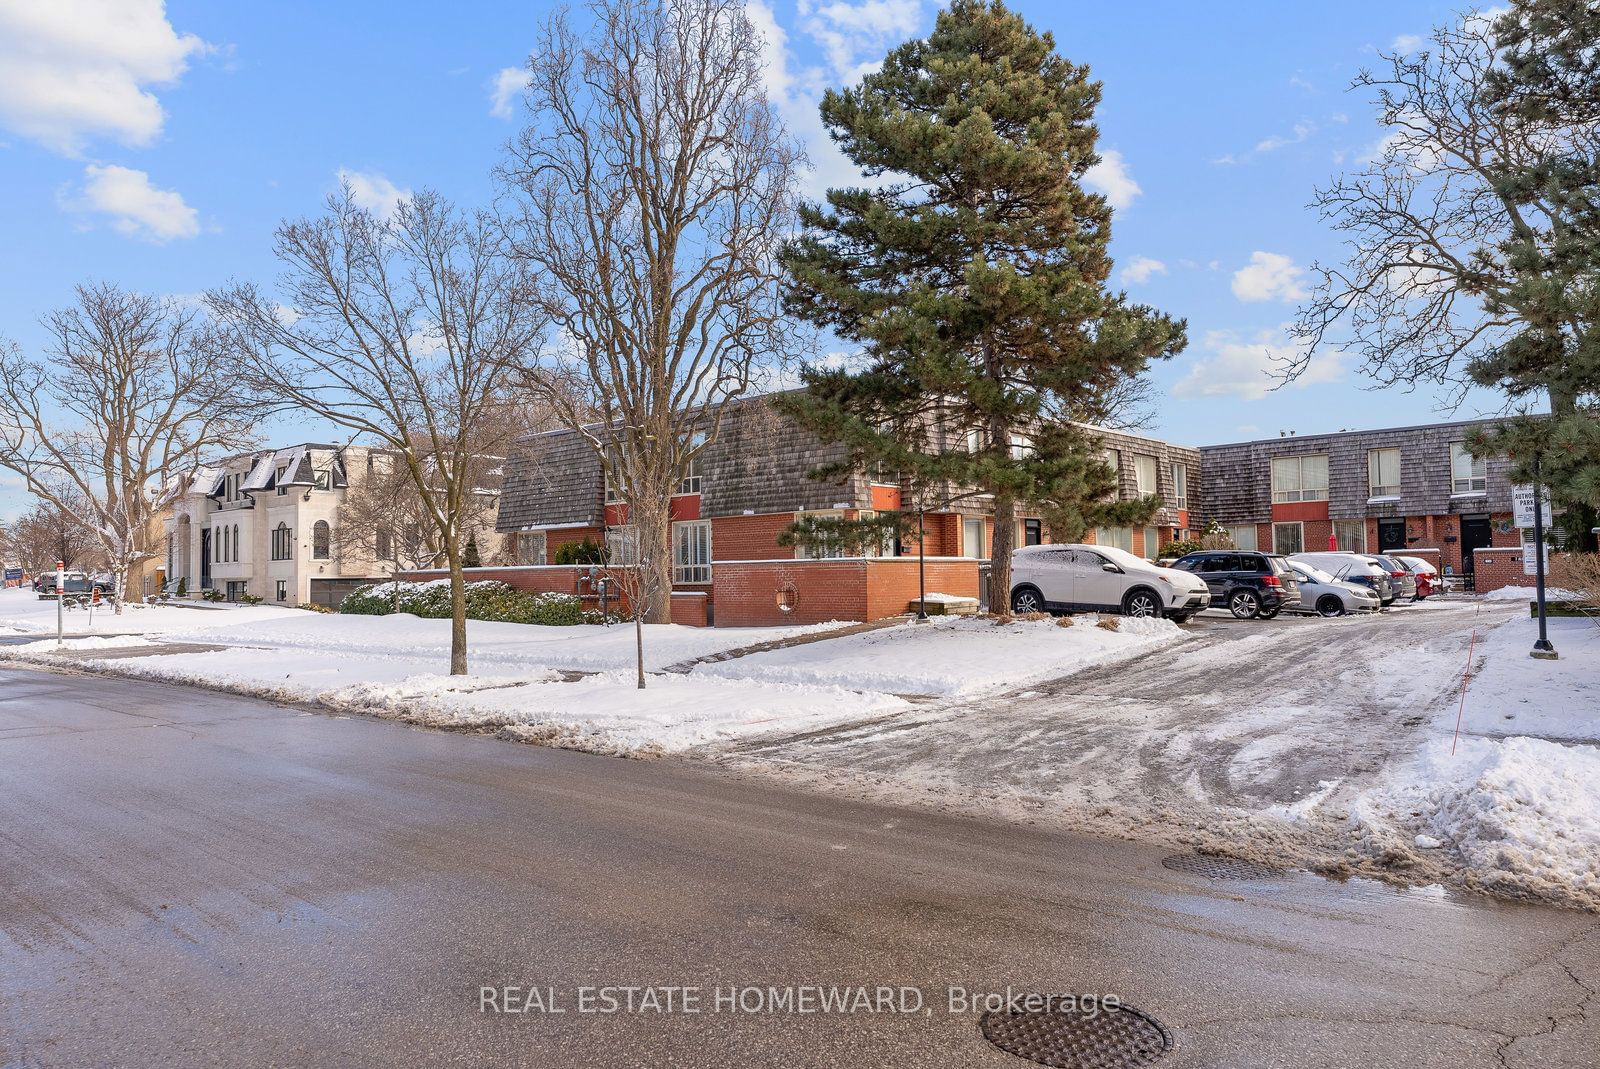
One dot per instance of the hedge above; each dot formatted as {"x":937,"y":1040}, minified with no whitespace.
{"x":487,"y":599}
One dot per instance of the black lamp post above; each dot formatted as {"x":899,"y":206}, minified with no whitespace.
{"x":1542,"y":647}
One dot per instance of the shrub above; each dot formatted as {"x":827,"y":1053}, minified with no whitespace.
{"x":251,"y":599}
{"x":313,"y":608}
{"x":1109,"y":623}
{"x":212,"y":595}
{"x":183,"y":586}
{"x":586,"y":552}
{"x":487,"y":599}
{"x":1181,"y":547}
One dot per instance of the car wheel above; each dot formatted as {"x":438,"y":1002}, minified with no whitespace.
{"x":1026,"y":600}
{"x":1180,"y":617}
{"x":1267,"y":614}
{"x":1141,"y":603}
{"x":1244,"y":604}
{"x":1330,"y":605}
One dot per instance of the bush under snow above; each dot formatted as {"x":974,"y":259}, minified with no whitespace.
{"x":487,"y":599}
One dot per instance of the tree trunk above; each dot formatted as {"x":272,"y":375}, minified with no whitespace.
{"x":119,"y":587}
{"x":458,"y":611}
{"x":1005,"y":532}
{"x":638,"y":645}
{"x":659,"y":585}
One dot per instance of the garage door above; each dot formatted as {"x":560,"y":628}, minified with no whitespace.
{"x":330,"y":593}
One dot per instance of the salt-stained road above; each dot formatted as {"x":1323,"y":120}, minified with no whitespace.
{"x":189,"y":879}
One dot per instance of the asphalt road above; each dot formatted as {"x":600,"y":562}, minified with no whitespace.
{"x":197,"y":879}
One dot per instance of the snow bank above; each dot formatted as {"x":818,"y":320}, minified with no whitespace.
{"x":47,"y":646}
{"x":953,"y":656}
{"x":1522,"y":814}
{"x":1514,"y":694}
{"x":22,"y":611}
{"x":1529,"y":593}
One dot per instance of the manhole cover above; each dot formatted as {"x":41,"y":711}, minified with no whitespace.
{"x":1220,"y":868}
{"x":1075,"y":1038}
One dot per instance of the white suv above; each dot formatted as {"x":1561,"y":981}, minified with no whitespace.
{"x":1075,"y":578}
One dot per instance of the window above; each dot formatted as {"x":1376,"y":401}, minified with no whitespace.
{"x":233,"y":543}
{"x":975,"y":440}
{"x":1180,"y":486}
{"x":1288,"y":538}
{"x":973,"y":544}
{"x":320,"y":539}
{"x":282,"y":542}
{"x":1244,"y":537}
{"x":1350,"y":535}
{"x":1383,"y":472}
{"x":622,"y":544}
{"x":1032,"y":532}
{"x":1117,"y":537}
{"x":690,"y":484}
{"x":1113,"y":457}
{"x":324,"y":480}
{"x":691,"y":552}
{"x":531,"y":547}
{"x":1226,"y":562}
{"x":283,"y":473}
{"x":1144,"y":474}
{"x":383,"y":542}
{"x":282,"y":590}
{"x":1021,"y":446}
{"x":1152,"y":543}
{"x":1300,"y":478}
{"x":1468,"y":474}
{"x":613,"y":476}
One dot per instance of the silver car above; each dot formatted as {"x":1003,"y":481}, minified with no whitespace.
{"x":1405,"y":584}
{"x":1324,"y":595}
{"x":1355,"y":568}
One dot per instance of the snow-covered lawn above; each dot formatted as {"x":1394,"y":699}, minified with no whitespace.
{"x":21,"y":611}
{"x":954,"y":656}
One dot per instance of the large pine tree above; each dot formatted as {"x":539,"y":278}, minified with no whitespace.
{"x":974,"y":278}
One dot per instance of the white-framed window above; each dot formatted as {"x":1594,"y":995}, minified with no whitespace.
{"x":1288,"y":538}
{"x":1303,"y":478}
{"x":282,"y":542}
{"x":321,"y":540}
{"x":1113,"y":457}
{"x":1243,"y":535}
{"x":1144,"y":474}
{"x":1118,"y":537}
{"x":691,"y":551}
{"x":1021,"y":446}
{"x":808,"y":551}
{"x":1350,"y":535}
{"x":1180,"y":486}
{"x":622,"y":544}
{"x":1152,"y":543}
{"x":691,"y":481}
{"x":973,"y":542}
{"x":975,"y":440}
{"x":1468,"y":474}
{"x":1383,"y":472}
{"x":531,"y":547}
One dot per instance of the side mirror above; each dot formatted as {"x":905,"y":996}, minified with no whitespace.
{"x":1109,"y":567}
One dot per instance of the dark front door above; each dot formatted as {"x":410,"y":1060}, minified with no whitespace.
{"x":1475,"y":534}
{"x":205,"y":559}
{"x":1391,"y":535}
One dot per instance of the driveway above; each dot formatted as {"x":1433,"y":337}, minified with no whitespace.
{"x":1215,"y":741}
{"x":196,"y":879}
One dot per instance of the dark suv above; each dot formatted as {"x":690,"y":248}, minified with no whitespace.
{"x":1246,"y":583}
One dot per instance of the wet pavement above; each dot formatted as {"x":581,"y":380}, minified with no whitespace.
{"x":192,"y":878}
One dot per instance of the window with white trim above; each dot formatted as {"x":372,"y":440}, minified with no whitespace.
{"x":1468,"y":474}
{"x":1152,"y":543}
{"x":691,"y":551}
{"x":622,"y":544}
{"x":283,"y":473}
{"x":1243,"y":535}
{"x":1288,"y":538}
{"x":1144,"y":474}
{"x":1021,"y":446}
{"x":691,"y":481}
{"x":1180,"y":486}
{"x":1113,"y":457}
{"x":1350,"y":535}
{"x":1303,"y":478}
{"x":531,"y":547}
{"x":1383,"y":472}
{"x":973,"y":542}
{"x":975,"y":440}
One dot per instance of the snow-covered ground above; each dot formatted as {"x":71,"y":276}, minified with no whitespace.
{"x":954,"y":656}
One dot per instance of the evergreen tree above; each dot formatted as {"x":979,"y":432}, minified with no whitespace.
{"x":974,"y":278}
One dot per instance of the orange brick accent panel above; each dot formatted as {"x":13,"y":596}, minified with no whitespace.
{"x":554,"y":540}
{"x":689,"y":609}
{"x":749,"y":594}
{"x":1496,"y":567}
{"x":750,"y":537}
{"x":1289,"y":511}
{"x":892,"y":583}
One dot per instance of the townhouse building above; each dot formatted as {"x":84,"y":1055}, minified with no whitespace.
{"x":268,"y":524}
{"x":1400,"y":488}
{"x":754,"y":480}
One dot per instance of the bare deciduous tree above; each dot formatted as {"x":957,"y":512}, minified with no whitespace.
{"x":47,"y":533}
{"x":651,"y":190}
{"x":130,"y":393}
{"x":403,"y":331}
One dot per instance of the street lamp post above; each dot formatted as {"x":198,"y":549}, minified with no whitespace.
{"x":1542,"y":647}
{"x":922,"y":563}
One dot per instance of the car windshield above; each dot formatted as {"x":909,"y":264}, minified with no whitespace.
{"x":1120,"y":557}
{"x":1313,"y":573}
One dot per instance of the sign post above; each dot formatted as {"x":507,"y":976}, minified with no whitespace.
{"x":1539,"y":506}
{"x":61,"y":589}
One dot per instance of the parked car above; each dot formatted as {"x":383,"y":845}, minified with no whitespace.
{"x":73,"y":582}
{"x":1353,"y":568}
{"x":1405,"y":584}
{"x":1248,"y":584}
{"x":1429,"y":582}
{"x":1080,"y":578}
{"x":1326,"y":595}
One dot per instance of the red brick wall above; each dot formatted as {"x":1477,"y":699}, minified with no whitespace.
{"x":1498,"y":567}
{"x":689,"y":609}
{"x":746,"y":594}
{"x":750,"y":537}
{"x":554,"y":540}
{"x":892,"y":583}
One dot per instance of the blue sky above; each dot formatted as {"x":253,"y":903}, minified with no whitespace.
{"x":157,"y":147}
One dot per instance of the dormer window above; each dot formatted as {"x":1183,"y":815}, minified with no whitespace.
{"x":280,"y":480}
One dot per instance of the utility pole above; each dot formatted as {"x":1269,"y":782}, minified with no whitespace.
{"x":1542,"y":648}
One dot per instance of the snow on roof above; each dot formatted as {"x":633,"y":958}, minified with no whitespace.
{"x":260,"y":476}
{"x":206,"y":480}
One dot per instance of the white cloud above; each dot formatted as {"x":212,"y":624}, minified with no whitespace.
{"x":1237,"y":365}
{"x":856,"y":36}
{"x":1110,"y":176}
{"x":1268,"y":276}
{"x":1302,"y":130}
{"x":508,"y":84}
{"x":374,"y":192}
{"x":135,"y":207}
{"x":75,"y":69}
{"x":1140,"y":269}
{"x":1406,"y":43}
